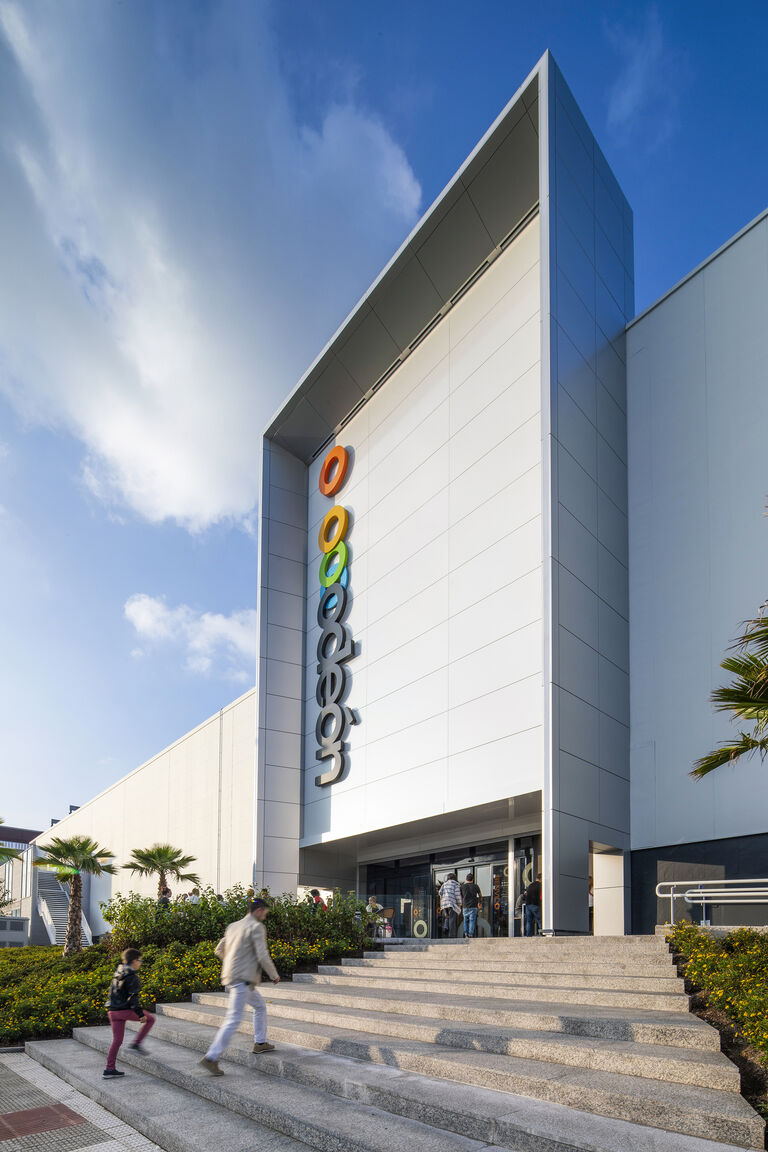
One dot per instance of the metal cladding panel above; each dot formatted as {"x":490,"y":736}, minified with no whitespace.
{"x":334,"y":385}
{"x":302,"y":430}
{"x":408,"y":303}
{"x":456,"y":248}
{"x":508,"y":184}
{"x":368,"y":352}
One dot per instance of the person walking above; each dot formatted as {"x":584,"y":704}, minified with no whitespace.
{"x":533,"y":906}
{"x":244,"y":954}
{"x":450,"y":902}
{"x":470,"y":901}
{"x":124,"y":1004}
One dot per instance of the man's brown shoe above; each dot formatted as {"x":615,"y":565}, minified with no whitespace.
{"x":264,"y":1047}
{"x":211,"y":1066}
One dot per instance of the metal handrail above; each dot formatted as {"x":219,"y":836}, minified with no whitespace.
{"x":701,"y":892}
{"x":47,"y":919}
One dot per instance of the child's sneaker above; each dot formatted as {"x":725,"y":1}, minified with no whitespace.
{"x":138,"y":1048}
{"x":110,"y":1073}
{"x":263,"y":1047}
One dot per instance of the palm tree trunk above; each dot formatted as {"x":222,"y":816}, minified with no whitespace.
{"x":73,"y":940}
{"x":161,"y":883}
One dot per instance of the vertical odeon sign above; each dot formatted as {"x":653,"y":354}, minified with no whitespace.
{"x":335,"y":646}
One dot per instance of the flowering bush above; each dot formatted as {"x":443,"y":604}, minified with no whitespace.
{"x":733,"y":972}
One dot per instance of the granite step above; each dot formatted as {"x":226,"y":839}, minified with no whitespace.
{"x":685,"y":1109}
{"x":558,"y":991}
{"x":620,"y":982}
{"x":270,"y":1108}
{"x":394,"y":1015}
{"x":634,"y":946}
{"x":166,"y":1114}
{"x":435,"y":1051}
{"x":661,"y":965}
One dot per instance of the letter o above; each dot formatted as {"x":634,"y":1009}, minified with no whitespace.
{"x":339,"y":550}
{"x":331,"y":480}
{"x":335,"y":713}
{"x":338,"y":515}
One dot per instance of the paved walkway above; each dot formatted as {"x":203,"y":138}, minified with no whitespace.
{"x":40,"y":1113}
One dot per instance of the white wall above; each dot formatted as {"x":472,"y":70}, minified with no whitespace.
{"x":698,"y":479}
{"x":197,"y":795}
{"x":444,"y":492}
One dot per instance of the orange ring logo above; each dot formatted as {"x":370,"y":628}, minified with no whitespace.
{"x":333,"y":471}
{"x":337,"y":520}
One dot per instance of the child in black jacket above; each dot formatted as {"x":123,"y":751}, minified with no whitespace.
{"x":124,"y":1004}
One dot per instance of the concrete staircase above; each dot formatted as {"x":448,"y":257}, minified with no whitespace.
{"x":56,"y":900}
{"x":544,"y":1045}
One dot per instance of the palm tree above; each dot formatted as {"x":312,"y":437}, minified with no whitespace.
{"x":746,"y":697}
{"x":69,"y":859}
{"x":162,"y":860}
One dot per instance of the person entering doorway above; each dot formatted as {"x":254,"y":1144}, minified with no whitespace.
{"x":470,"y":900}
{"x":450,"y":903}
{"x":533,"y":907}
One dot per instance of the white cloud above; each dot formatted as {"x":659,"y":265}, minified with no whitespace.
{"x":211,"y":642}
{"x":643,"y":101}
{"x":177,"y":245}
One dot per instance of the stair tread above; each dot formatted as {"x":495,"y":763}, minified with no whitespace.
{"x":666,"y":983}
{"x":601,"y":1011}
{"x":582,"y":1049}
{"x":539,"y":1068}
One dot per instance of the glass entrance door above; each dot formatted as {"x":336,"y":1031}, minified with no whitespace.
{"x":523,"y":876}
{"x":493,"y":881}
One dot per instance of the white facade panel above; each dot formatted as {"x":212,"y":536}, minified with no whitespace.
{"x":446,"y":589}
{"x":197,"y":795}
{"x":698,"y":410}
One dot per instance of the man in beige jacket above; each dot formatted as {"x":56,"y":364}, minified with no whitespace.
{"x":244,"y":953}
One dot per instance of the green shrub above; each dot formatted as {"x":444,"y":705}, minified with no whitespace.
{"x":733,"y":973}
{"x":137,"y":921}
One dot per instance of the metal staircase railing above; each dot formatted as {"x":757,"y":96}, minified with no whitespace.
{"x":699,"y":893}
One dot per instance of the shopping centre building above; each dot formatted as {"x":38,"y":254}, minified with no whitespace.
{"x":506,"y":532}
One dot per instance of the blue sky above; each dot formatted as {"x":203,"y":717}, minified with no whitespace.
{"x":194,"y":196}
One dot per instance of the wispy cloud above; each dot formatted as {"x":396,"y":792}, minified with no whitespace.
{"x":177,"y":245}
{"x":643,"y":101}
{"x":210,"y":642}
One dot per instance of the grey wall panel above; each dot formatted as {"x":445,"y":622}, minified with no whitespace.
{"x":279,"y":686}
{"x":590,"y":243}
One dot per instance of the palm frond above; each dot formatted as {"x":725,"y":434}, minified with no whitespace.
{"x":74,"y":855}
{"x":755,"y":636}
{"x":746,"y":745}
{"x":161,"y":858}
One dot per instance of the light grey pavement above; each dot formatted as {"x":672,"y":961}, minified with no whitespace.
{"x":29,"y":1095}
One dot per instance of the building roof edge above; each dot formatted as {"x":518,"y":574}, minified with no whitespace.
{"x":700,"y":267}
